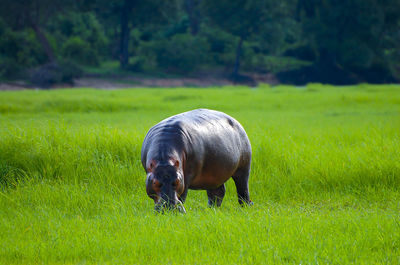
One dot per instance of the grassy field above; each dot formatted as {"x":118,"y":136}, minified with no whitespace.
{"x":325,"y":178}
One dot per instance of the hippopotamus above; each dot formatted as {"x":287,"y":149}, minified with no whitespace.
{"x":199,"y":149}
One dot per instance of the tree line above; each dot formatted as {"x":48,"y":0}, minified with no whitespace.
{"x":299,"y":41}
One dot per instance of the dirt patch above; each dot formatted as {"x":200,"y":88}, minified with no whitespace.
{"x":129,"y":82}
{"x":13,"y":86}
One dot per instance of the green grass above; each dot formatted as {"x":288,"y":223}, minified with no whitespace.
{"x":325,"y":178}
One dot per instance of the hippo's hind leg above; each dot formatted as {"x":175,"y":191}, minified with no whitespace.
{"x":215,"y":196}
{"x":241,"y":178}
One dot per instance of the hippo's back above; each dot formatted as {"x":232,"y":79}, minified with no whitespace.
{"x":213,"y":143}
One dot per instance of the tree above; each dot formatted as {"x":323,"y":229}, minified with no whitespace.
{"x":33,"y":14}
{"x":353,"y":36}
{"x":193,"y":12}
{"x":242,"y":18}
{"x":130,"y":14}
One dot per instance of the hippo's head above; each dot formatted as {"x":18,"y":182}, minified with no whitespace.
{"x":164,"y":184}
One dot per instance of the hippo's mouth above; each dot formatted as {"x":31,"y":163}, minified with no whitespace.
{"x":163,"y":206}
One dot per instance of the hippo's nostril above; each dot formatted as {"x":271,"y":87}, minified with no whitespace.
{"x":157,"y":183}
{"x":175,"y":183}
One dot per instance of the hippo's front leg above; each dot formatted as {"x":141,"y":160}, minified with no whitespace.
{"x":215,"y":196}
{"x":182,"y":197}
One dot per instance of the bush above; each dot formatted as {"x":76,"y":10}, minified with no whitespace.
{"x":272,"y":64}
{"x":377,"y":73}
{"x":301,"y":52}
{"x":9,"y":68}
{"x":19,"y":50}
{"x":70,"y":71}
{"x":50,"y":74}
{"x":137,"y":64}
{"x":222,"y":45}
{"x":79,"y":51}
{"x":89,"y":47}
{"x":355,"y":55}
{"x":182,"y":53}
{"x":317,"y":73}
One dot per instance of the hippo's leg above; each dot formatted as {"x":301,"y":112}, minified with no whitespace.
{"x":241,"y":178}
{"x":215,"y":196}
{"x":182,"y":197}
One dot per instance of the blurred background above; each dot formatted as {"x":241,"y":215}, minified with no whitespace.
{"x":198,"y":42}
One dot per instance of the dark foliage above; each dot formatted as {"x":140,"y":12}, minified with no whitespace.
{"x":50,"y":74}
{"x":338,"y":42}
{"x":181,"y":53}
{"x":317,"y":74}
{"x":322,"y":73}
{"x":305,"y":53}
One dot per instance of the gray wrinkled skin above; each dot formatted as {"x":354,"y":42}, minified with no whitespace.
{"x":198,"y":149}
